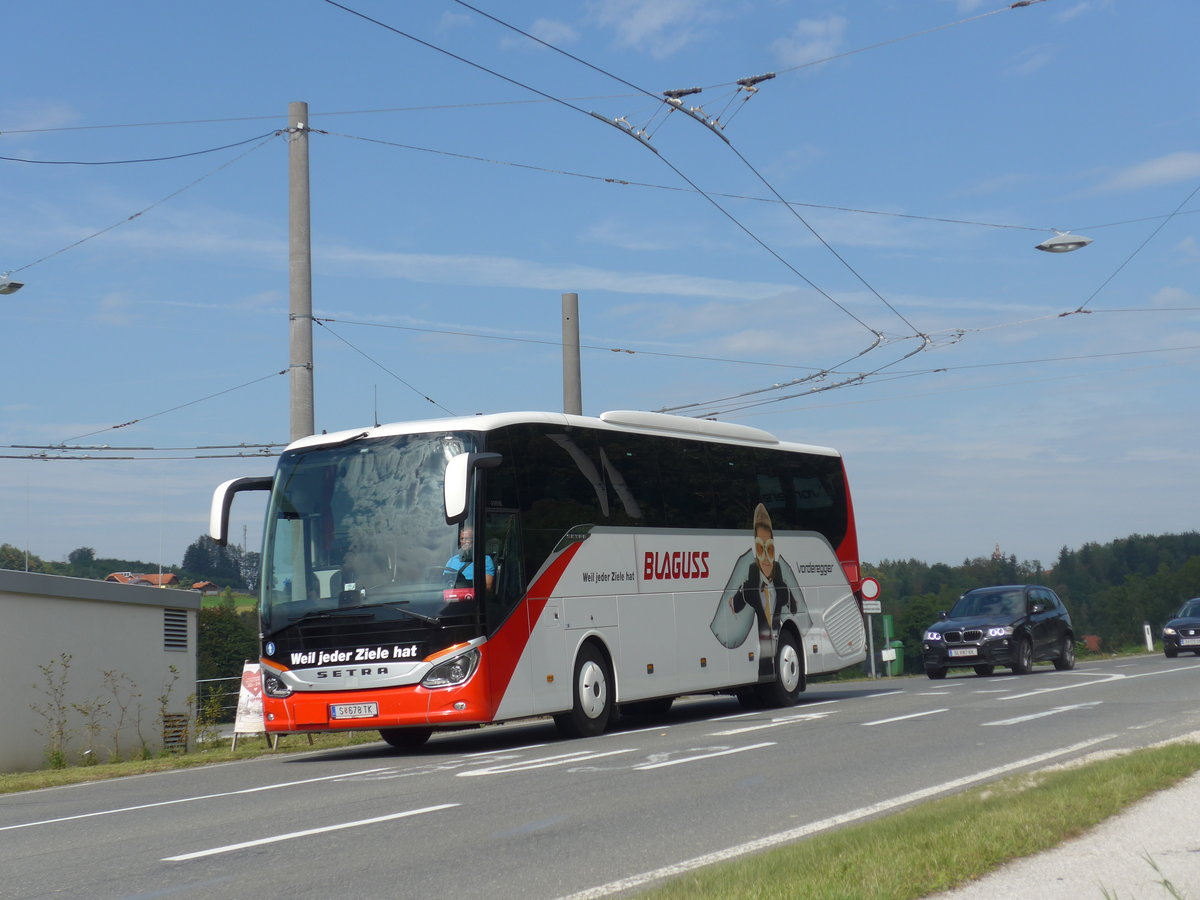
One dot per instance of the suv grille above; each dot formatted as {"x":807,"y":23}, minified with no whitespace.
{"x":963,"y":637}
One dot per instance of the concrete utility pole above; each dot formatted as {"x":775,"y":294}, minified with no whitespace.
{"x":572,"y":380}
{"x":300,"y":274}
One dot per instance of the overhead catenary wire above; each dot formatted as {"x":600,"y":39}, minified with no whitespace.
{"x":670,"y":103}
{"x":459,"y":58}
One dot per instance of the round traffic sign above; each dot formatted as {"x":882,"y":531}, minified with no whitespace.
{"x":869,"y":588}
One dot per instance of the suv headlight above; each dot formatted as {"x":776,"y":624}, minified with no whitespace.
{"x":1002,"y":631}
{"x":933,"y":635}
{"x":453,"y":671}
{"x":1168,"y":630}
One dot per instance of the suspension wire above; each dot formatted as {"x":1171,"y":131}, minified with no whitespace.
{"x":163,"y":412}
{"x":141,"y":212}
{"x":376,"y":362}
{"x":128,"y":162}
{"x":1140,"y":247}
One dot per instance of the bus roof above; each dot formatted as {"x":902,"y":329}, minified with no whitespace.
{"x":635,"y":421}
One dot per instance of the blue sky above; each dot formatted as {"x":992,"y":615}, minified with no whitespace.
{"x":923,"y":147}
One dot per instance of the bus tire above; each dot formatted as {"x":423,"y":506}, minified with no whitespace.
{"x":789,"y":674}
{"x":592,"y":692}
{"x":406,"y":738}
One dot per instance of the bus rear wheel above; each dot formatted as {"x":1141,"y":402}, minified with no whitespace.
{"x":592,"y":693}
{"x":789,"y":674}
{"x":406,"y":738}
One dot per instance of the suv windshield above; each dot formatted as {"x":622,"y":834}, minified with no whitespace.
{"x":360,"y":525}
{"x":989,"y":604}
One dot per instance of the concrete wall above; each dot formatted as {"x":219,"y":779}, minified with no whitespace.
{"x":136,"y":633}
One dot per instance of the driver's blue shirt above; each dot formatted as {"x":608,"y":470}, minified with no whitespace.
{"x":466,"y":568}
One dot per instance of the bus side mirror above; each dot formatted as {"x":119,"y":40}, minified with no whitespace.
{"x":218,"y":519}
{"x":456,"y":489}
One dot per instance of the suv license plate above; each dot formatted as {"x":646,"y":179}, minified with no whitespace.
{"x":1189,"y":642}
{"x":964,"y":651}
{"x":353,"y":710}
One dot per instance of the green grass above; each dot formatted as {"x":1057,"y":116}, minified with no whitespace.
{"x":944,"y":843}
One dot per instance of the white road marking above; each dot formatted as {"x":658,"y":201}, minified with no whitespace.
{"x":1105,"y":679}
{"x":545,"y":762}
{"x":784,"y":837}
{"x":931,"y":712}
{"x":1043,"y":714}
{"x":686,"y":759}
{"x":774,"y":723}
{"x":253,"y":790}
{"x":231,"y":848}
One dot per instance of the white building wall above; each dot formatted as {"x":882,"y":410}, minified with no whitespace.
{"x":102,"y":626}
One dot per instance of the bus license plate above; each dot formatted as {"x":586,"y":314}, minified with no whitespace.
{"x":964,"y":651}
{"x":353,"y":710}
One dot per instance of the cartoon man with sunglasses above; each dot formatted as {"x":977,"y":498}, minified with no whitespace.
{"x":762,"y":588}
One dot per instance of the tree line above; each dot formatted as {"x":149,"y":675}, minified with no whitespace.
{"x":203,"y":560}
{"x":1111,"y":590}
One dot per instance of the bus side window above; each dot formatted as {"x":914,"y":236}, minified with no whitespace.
{"x":503,"y":543}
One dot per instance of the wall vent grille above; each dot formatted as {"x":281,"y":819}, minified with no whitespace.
{"x":175,"y":629}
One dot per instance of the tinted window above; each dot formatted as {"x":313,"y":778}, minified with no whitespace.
{"x":558,"y":477}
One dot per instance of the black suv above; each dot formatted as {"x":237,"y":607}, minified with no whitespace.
{"x":1008,"y":625}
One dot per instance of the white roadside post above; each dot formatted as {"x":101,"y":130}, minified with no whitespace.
{"x":872,"y":605}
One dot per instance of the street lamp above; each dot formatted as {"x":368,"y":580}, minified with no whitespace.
{"x":9,"y":287}
{"x":1063,"y":242}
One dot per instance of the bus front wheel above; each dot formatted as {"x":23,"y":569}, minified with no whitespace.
{"x":789,"y":674}
{"x":406,"y":738}
{"x":592,"y":693}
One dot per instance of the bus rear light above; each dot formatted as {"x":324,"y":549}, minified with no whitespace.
{"x":852,"y":573}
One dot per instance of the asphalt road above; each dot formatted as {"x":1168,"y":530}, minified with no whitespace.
{"x":514,"y":811}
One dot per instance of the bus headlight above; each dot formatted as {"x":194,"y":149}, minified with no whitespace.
{"x":273,"y":685}
{"x":453,"y":671}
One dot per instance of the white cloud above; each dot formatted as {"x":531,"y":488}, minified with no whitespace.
{"x":1034,"y":59}
{"x":115,"y":309}
{"x":810,"y":40}
{"x":554,"y":32}
{"x":660,"y":27}
{"x":1183,"y":165}
{"x":501,"y":271}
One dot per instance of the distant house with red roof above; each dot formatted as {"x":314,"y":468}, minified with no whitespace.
{"x":207,"y":588}
{"x":165,"y":580}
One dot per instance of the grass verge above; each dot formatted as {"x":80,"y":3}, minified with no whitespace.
{"x":944,"y":843}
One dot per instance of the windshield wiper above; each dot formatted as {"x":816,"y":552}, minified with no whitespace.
{"x":392,"y":604}
{"x":317,"y":614}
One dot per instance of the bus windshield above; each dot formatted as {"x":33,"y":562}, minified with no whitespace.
{"x":360,"y":526}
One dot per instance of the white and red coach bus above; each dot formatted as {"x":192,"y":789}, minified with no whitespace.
{"x":621,"y":562}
